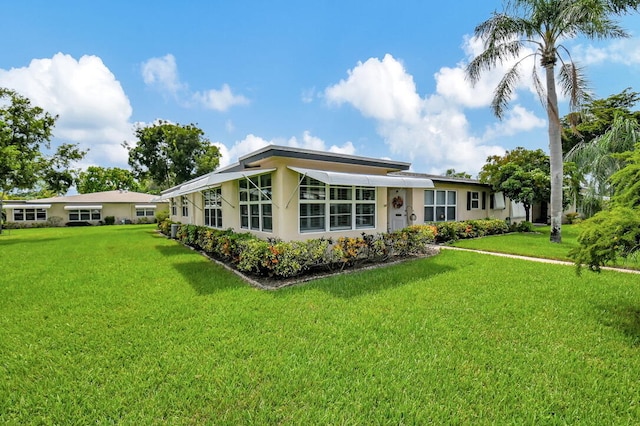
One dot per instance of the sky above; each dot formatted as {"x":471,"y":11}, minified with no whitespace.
{"x":381,"y":78}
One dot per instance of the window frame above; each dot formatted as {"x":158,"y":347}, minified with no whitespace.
{"x":184,"y":206}
{"x":212,"y":207}
{"x":335,"y":208}
{"x":255,"y":201}
{"x":80,"y":215}
{"x":29,"y":214}
{"x":474,"y":202}
{"x":145,"y":211}
{"x":450,"y":203}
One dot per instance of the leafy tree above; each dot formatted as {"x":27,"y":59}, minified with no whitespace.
{"x":543,"y":25}
{"x":614,"y":233}
{"x":26,"y":130}
{"x":521,"y":174}
{"x":596,"y":118}
{"x":98,"y":179}
{"x":453,"y":173}
{"x":170,"y":154}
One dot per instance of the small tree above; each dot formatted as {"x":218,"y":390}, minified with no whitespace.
{"x":26,"y":130}
{"x":521,"y":174}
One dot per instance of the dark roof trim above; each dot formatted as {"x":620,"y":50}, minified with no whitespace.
{"x":248,"y":160}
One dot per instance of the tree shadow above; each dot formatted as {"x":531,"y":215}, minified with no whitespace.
{"x":625,"y":318}
{"x":12,"y":241}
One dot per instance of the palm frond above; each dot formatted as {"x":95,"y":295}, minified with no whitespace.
{"x":491,"y":57}
{"x":574,"y":85}
{"x":504,"y":90}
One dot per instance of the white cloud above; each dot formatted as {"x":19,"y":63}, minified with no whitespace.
{"x":219,"y":100}
{"x":312,"y":142}
{"x":379,"y":89}
{"x":162,"y":74}
{"x":431,"y":131}
{"x":518,"y":119}
{"x":308,"y":95}
{"x":621,"y":51}
{"x":92,"y":107}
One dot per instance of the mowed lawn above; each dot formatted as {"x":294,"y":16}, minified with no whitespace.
{"x":120,"y":325}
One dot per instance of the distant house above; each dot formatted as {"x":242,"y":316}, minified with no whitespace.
{"x":298,"y":194}
{"x":124,"y":206}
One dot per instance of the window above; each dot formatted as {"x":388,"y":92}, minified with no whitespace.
{"x":213,"y":207}
{"x":184,"y":203}
{"x":82,"y":214}
{"x":348,"y":207}
{"x":174,"y":207}
{"x":255,"y":203}
{"x":474,"y":200}
{"x":145,"y":212}
{"x":439,"y":206}
{"x":20,"y":215}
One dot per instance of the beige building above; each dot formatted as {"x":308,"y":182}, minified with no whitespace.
{"x":298,"y":194}
{"x":124,"y":206}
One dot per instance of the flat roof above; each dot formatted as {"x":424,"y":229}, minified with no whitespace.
{"x":268,"y":151}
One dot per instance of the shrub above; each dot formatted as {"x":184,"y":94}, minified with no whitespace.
{"x":109,"y":220}
{"x":572,"y":218}
{"x":524,"y":226}
{"x":165,"y":226}
{"x":54,"y":221}
{"x":162,"y":215}
{"x":606,"y":237}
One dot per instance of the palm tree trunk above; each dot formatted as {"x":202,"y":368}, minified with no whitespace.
{"x":555,"y":156}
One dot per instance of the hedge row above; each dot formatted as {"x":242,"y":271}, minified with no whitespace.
{"x":281,"y":259}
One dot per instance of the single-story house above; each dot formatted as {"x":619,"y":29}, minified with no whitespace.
{"x":298,"y":194}
{"x":124,"y":206}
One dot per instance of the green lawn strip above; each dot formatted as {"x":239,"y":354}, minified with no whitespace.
{"x":536,"y":244}
{"x":118,"y":324}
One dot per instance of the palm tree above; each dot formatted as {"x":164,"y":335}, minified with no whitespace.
{"x":597,"y":159}
{"x":542,"y":25}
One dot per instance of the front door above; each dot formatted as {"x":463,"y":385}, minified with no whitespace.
{"x":397,"y":209}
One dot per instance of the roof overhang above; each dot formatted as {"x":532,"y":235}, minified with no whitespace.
{"x":339,"y":178}
{"x":26,"y":206}
{"x":211,"y":180}
{"x":145,"y":206}
{"x":85,"y":207}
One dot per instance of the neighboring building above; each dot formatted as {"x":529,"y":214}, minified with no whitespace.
{"x":124,"y":206}
{"x":298,"y":194}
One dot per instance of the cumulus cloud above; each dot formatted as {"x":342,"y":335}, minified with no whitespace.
{"x":162,"y":74}
{"x":518,"y":119}
{"x":379,"y":89}
{"x":621,"y":51}
{"x":92,"y":107}
{"x":432,"y":131}
{"x":219,"y":100}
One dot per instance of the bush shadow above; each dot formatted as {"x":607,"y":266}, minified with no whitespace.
{"x":625,"y":318}
{"x":360,"y":282}
{"x":209,"y":278}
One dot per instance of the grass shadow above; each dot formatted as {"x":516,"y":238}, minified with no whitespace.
{"x":625,"y":318}
{"x":20,"y":240}
{"x":172,"y":250}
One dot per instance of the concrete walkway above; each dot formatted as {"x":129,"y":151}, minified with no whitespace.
{"x":537,"y":259}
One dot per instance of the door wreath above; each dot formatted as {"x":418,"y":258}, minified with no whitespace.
{"x":397,"y":202}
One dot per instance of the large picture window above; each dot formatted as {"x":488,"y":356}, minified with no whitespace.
{"x":82,"y":214}
{"x":20,"y":215}
{"x":213,"y":207}
{"x":439,"y":205}
{"x":335,"y":207}
{"x":255,"y":203}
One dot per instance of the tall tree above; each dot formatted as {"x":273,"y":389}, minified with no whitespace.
{"x":453,"y":173}
{"x":543,"y":25}
{"x":98,"y":179}
{"x":26,"y":130}
{"x":170,"y":154}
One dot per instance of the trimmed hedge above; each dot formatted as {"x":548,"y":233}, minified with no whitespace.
{"x":280,"y":259}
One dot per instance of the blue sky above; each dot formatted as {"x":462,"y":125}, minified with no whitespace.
{"x":377,"y":78}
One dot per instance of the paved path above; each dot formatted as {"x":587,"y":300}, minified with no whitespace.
{"x":537,"y":259}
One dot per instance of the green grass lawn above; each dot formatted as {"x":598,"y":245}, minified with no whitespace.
{"x":120,"y":325}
